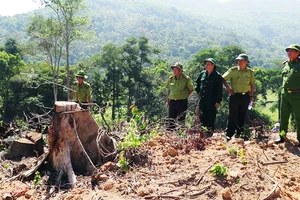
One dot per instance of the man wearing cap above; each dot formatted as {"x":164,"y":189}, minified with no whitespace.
{"x":81,"y":90}
{"x":290,"y":94}
{"x":179,"y":87}
{"x":209,"y":89}
{"x":241,"y":79}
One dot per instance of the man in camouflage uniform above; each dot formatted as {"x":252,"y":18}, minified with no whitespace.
{"x":241,"y":92}
{"x":81,"y":90}
{"x":179,"y":87}
{"x":290,"y":94}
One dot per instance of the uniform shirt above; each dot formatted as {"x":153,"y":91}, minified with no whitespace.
{"x":179,"y":87}
{"x":291,"y":75}
{"x":209,"y":87}
{"x":82,"y":92}
{"x":240,"y":80}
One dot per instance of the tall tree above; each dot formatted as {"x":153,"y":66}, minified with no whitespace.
{"x":73,"y":25}
{"x":109,"y":63}
{"x":135,"y":54}
{"x":47,"y":38}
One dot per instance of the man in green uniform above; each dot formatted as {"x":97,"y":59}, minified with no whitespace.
{"x":81,"y":90}
{"x":179,"y":87}
{"x":209,"y":89}
{"x":290,"y":94}
{"x":241,"y":92}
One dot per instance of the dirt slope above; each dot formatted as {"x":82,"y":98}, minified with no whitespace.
{"x":172,"y":169}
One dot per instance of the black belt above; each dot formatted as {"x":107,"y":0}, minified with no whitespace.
{"x":242,"y":93}
{"x":292,"y":91}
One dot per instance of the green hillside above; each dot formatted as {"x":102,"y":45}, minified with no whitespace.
{"x":181,"y":28}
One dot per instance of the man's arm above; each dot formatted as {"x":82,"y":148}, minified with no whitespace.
{"x":72,"y":94}
{"x":252,"y":87}
{"x":89,"y":93}
{"x":168,"y":98}
{"x":198,"y":82}
{"x":252,"y":92}
{"x":229,"y":89}
{"x":219,"y":91}
{"x":190,"y":87}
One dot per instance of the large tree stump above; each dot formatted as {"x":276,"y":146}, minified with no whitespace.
{"x":73,"y":143}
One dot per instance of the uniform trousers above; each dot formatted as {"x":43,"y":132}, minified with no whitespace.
{"x":208,"y":116}
{"x":290,"y":102}
{"x":177,"y":112}
{"x":238,"y":107}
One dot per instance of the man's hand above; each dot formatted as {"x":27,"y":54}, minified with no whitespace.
{"x":251,"y":99}
{"x":217,"y":105}
{"x":168,"y":102}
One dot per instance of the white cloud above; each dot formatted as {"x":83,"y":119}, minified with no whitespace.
{"x":12,"y":7}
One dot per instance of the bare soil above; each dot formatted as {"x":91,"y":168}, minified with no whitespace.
{"x":170,"y":168}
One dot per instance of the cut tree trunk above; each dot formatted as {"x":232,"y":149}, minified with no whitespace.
{"x":31,"y":145}
{"x":74,"y":141}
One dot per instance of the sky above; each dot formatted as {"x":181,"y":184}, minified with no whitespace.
{"x":12,"y":7}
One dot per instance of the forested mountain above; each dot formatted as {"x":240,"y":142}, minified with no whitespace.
{"x":181,"y":28}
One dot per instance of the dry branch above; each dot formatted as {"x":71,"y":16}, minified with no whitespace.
{"x":30,"y":172}
{"x":205,"y":171}
{"x":274,"y":162}
{"x":184,"y":194}
{"x":272,"y":191}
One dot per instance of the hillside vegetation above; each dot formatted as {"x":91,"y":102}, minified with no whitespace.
{"x":179,"y":30}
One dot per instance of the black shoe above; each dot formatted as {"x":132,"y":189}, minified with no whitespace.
{"x":279,"y":140}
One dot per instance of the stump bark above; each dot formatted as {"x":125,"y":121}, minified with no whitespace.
{"x":74,"y":141}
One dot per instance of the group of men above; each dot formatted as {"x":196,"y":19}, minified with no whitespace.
{"x":209,"y":87}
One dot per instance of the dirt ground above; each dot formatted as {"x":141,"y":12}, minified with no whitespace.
{"x":257,"y":169}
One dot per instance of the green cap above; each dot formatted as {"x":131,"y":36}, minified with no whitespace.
{"x":81,"y":74}
{"x":294,"y":47}
{"x":242,"y":57}
{"x":213,"y":61}
{"x":178,"y":65}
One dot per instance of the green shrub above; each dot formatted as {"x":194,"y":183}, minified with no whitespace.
{"x":122,"y":163}
{"x":219,"y":170}
{"x":233,"y":151}
{"x":37,"y":179}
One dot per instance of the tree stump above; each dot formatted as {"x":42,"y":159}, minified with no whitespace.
{"x":31,"y":145}
{"x":73,"y":141}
